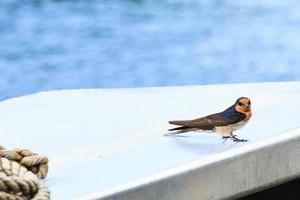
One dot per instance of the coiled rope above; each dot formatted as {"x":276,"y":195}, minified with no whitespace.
{"x":20,"y":174}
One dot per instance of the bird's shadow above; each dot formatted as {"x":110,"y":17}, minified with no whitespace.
{"x":198,"y":144}
{"x":171,"y":134}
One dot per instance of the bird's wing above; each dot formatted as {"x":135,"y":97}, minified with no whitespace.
{"x":211,"y":120}
{"x":207,"y":122}
{"x":180,"y":122}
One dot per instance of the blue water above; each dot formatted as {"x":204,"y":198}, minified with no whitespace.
{"x":47,"y":44}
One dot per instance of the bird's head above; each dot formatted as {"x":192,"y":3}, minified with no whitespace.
{"x":243,"y":105}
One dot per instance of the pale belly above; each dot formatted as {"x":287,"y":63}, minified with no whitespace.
{"x":227,"y":130}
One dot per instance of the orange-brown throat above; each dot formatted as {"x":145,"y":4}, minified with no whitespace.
{"x":243,"y":105}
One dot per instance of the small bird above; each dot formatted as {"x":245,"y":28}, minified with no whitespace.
{"x":224,"y":123}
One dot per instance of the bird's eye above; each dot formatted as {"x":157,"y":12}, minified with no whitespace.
{"x":240,"y":104}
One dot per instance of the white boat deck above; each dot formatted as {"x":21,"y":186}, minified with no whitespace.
{"x":105,"y":141}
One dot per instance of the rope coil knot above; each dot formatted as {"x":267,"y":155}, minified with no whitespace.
{"x":20,"y":171}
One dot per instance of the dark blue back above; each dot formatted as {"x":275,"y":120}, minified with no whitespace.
{"x":232,"y":115}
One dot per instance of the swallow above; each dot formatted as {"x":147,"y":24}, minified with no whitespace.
{"x":224,"y":123}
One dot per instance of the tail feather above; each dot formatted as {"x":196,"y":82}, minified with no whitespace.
{"x":180,"y":130}
{"x":177,"y":128}
{"x":183,"y":127}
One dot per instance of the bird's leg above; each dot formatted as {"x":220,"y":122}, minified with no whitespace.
{"x":229,"y":136}
{"x":235,"y":139}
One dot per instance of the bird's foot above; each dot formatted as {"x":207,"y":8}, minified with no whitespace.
{"x":235,"y":139}
{"x":227,"y":137}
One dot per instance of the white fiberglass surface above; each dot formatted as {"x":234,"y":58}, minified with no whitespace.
{"x":99,"y":138}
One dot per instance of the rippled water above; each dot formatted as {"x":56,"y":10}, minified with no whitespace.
{"x":120,"y":43}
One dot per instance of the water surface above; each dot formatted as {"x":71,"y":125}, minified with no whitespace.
{"x":47,"y":45}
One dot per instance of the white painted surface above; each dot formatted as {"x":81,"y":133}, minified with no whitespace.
{"x":97,"y":139}
{"x":224,"y":176}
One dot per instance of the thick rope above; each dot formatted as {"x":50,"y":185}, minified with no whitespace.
{"x":20,"y":171}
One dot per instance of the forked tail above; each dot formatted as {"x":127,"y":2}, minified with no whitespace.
{"x":179,"y":130}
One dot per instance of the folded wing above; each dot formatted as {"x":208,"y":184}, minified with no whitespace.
{"x":204,"y":123}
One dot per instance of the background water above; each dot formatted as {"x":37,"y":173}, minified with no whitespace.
{"x":121,"y":43}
